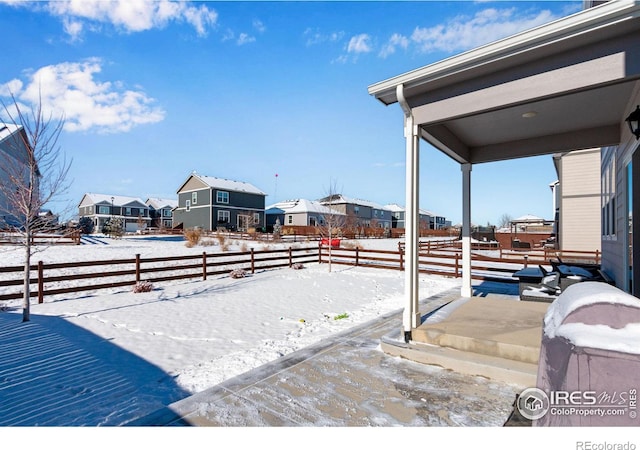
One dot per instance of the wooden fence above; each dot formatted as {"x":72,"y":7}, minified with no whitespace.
{"x":62,"y":278}
{"x":12,"y":238}
{"x":435,"y":257}
{"x":441,"y":258}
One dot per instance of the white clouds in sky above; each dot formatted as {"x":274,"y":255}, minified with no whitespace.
{"x":71,"y":90}
{"x":130,"y":15}
{"x":466,"y":32}
{"x":459,"y":33}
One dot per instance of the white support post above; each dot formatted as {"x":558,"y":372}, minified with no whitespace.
{"x":411,"y":313}
{"x":411,"y":318}
{"x":466,"y":290}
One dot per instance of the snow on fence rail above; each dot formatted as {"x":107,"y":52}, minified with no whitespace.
{"x":66,"y":278}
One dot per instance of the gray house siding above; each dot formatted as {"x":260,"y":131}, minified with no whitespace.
{"x":206,"y":201}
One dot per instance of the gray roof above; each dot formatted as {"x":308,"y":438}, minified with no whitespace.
{"x":230,"y":185}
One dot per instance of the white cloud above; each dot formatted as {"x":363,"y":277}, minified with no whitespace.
{"x":315,"y":36}
{"x":71,"y":90}
{"x":131,"y":15}
{"x":244,"y":38}
{"x":396,"y":40}
{"x":259,"y":26}
{"x":359,"y":44}
{"x":463,"y":33}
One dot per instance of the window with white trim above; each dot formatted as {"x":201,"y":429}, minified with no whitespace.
{"x":609,"y":198}
{"x":222,"y":197}
{"x":103,"y":210}
{"x":256,"y":218}
{"x":224,"y":216}
{"x":194,"y":198}
{"x":188,"y":205}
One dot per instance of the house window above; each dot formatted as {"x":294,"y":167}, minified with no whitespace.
{"x":127,"y":211}
{"x":103,"y":210}
{"x":256,"y":218}
{"x":224,"y":216}
{"x":356,"y":209}
{"x":290,"y":219}
{"x":166,"y":212}
{"x":609,"y":198}
{"x":188,"y":205}
{"x":222,"y":197}
{"x":194,"y":198}
{"x":312,"y":221}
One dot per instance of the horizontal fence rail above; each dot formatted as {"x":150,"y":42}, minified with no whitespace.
{"x":435,"y":257}
{"x":65,"y":278}
{"x":445,"y":258}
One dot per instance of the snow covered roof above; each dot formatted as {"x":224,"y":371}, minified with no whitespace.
{"x":7,"y":129}
{"x":528,"y":218}
{"x":229,"y":185}
{"x":353,"y":201}
{"x":159,"y":203}
{"x":118,"y":200}
{"x":302,"y":205}
{"x":394,"y":207}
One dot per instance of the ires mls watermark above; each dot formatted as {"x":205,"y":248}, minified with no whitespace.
{"x":534,"y":403}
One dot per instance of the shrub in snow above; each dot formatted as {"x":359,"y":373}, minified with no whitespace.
{"x":86,"y":225}
{"x":238,"y":273}
{"x":193,"y":236}
{"x":297,"y":266}
{"x":142,"y":286}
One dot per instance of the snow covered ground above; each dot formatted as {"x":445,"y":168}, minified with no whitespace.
{"x":200,"y":333}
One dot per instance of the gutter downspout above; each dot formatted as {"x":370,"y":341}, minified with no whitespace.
{"x":411,"y":314}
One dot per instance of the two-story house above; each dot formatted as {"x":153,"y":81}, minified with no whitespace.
{"x":133,"y":212}
{"x":161,"y":211}
{"x":211,"y":203}
{"x":12,"y":166}
{"x":428,"y":220}
{"x":362,"y":212}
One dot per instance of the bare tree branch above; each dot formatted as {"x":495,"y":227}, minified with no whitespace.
{"x":33,"y":172}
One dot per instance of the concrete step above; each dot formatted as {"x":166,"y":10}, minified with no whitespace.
{"x":492,"y":367}
{"x":503,"y":329}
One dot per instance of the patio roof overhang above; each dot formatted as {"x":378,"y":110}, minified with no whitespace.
{"x":562,"y":86}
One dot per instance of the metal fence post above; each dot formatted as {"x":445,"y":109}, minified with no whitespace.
{"x":253,"y":262}
{"x":290,"y":257}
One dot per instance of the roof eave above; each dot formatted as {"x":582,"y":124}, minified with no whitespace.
{"x":593,"y":18}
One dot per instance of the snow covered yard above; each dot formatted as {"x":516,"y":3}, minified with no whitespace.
{"x":191,"y":335}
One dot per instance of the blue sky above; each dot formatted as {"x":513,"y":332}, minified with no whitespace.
{"x":152,"y":91}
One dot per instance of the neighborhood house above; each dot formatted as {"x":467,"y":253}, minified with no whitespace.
{"x":211,"y":203}
{"x":133,"y":212}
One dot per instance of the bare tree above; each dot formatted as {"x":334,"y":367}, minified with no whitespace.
{"x":33,"y":172}
{"x":504,"y":221}
{"x":332,"y":222}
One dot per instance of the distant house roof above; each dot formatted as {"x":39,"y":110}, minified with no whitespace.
{"x":11,"y":144}
{"x":227,"y":185}
{"x":159,"y":203}
{"x":528,"y":218}
{"x":394,"y":207}
{"x":118,"y":200}
{"x":339,"y":198}
{"x":301,"y":205}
